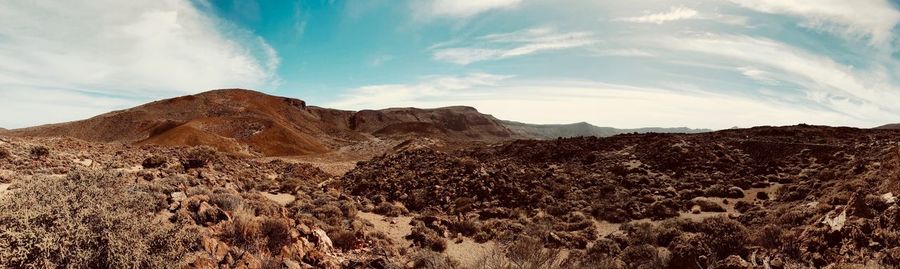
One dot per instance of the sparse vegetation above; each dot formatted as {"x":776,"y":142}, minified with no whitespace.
{"x":89,"y":219}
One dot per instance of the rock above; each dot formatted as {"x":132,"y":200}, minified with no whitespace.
{"x":215,"y":248}
{"x":248,"y":261}
{"x":207,"y":213}
{"x":836,"y":223}
{"x":733,"y":262}
{"x":762,"y":195}
{"x":291,"y":264}
{"x":201,"y":263}
{"x":323,"y":242}
{"x":734,"y":192}
{"x":178,"y":196}
{"x":776,"y":263}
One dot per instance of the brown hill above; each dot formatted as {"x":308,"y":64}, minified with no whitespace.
{"x":894,"y":126}
{"x":252,"y":123}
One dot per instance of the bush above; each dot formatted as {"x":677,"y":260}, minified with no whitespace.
{"x":199,"y":157}
{"x":689,"y":250}
{"x":726,"y":236}
{"x":39,"y":152}
{"x":426,"y":238}
{"x":89,"y":220}
{"x":388,"y":209}
{"x":154,"y":161}
{"x":644,"y":256}
{"x":528,"y":252}
{"x":277,"y":232}
{"x":243,"y":231}
{"x":432,"y":260}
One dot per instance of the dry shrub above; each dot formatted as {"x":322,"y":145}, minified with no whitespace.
{"x":432,"y":260}
{"x":38,"y":152}
{"x":644,"y":256}
{"x":344,"y":239}
{"x":388,"y":209}
{"x":243,"y":230}
{"x":154,"y":161}
{"x":199,"y":157}
{"x":4,"y":153}
{"x":277,"y":233}
{"x":690,"y":250}
{"x":427,"y":238}
{"x":226,"y":201}
{"x":726,"y":236}
{"x":528,"y":252}
{"x":89,"y":220}
{"x":603,"y":254}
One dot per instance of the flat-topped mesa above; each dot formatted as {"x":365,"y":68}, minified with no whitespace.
{"x":248,"y":122}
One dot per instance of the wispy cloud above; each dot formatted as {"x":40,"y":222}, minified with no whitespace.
{"x":507,"y":45}
{"x":602,"y":104}
{"x":121,"y":49}
{"x":674,"y":14}
{"x":404,"y":95}
{"x":865,"y":94}
{"x":874,"y":19}
{"x":624,"y":53}
{"x":460,"y":9}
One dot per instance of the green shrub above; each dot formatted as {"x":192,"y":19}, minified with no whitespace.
{"x":88,"y":220}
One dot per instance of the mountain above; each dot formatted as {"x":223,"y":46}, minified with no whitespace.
{"x":893,"y":126}
{"x":552,"y":131}
{"x":252,"y":123}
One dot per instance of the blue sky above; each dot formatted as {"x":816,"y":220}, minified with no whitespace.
{"x":668,"y":63}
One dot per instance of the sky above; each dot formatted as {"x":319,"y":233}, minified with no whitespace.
{"x":640,"y":63}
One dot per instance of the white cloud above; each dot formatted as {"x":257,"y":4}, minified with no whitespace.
{"x":674,"y":14}
{"x":599,"y":103}
{"x":874,"y":19}
{"x":759,"y":75}
{"x":507,"y":45}
{"x":460,"y":9}
{"x":867,"y":95}
{"x":124,"y":50}
{"x":624,"y":53}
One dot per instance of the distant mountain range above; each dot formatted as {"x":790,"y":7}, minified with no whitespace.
{"x":247,"y":122}
{"x":551,"y":131}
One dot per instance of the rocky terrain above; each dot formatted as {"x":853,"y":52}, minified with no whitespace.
{"x":769,"y":197}
{"x":204,"y":182}
{"x":552,"y":131}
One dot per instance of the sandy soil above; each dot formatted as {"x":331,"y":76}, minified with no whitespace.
{"x":467,"y":253}
{"x":282,"y":199}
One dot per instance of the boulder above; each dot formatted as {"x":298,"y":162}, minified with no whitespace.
{"x":323,"y":242}
{"x":217,"y":250}
{"x":210,"y":214}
